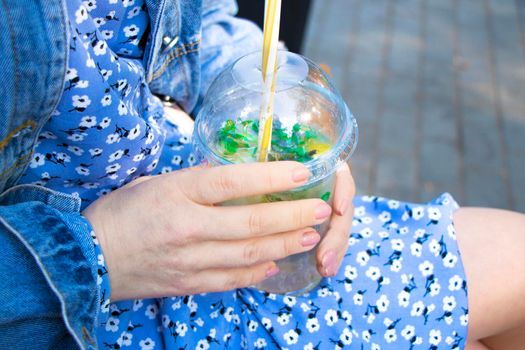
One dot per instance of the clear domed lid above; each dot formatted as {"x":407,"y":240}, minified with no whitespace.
{"x":304,"y":95}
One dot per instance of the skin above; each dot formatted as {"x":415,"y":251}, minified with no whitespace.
{"x":181,"y":242}
{"x":492,"y":245}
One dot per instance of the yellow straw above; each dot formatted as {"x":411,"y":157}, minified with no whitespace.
{"x":272,"y":16}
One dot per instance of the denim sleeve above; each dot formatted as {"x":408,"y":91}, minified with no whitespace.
{"x":225,"y":38}
{"x":49,"y":289}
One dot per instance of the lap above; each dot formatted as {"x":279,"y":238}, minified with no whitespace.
{"x":492,"y":244}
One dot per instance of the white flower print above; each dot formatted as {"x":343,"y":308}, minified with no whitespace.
{"x":75,"y":150}
{"x":390,"y":335}
{"x":82,"y":170}
{"x":417,"y":309}
{"x":312,"y":325}
{"x":434,"y":247}
{"x":434,"y":214}
{"x":88,"y":121}
{"x":155,"y":149}
{"x":449,"y":303}
{"x":418,"y":213}
{"x":291,"y":337}
{"x":434,"y":337}
{"x":47,"y":135}
{"x":366,"y":232}
{"x":100,"y":48}
{"x":266,"y":322}
{"x":147,"y":344}
{"x":385,"y":216}
{"x":106,"y":100}
{"x":149,"y":138}
{"x":362,"y":258}
{"x":107,"y":34}
{"x":77,"y":137}
{"x":125,"y":339}
{"x":138,"y":157}
{"x":151,"y":311}
{"x":397,"y":244}
{"x":289,"y":300}
{"x":350,"y":272}
{"x":153,"y":165}
{"x":104,"y":123}
{"x":81,"y":14}
{"x":260,"y":343}
{"x":396,"y":265}
{"x":451,"y":232}
{"x":358,"y":299}
{"x":393,"y":204}
{"x":122,"y":109}
{"x":331,"y":317}
{"x":450,"y":260}
{"x":359,"y":211}
{"x":134,"y":12}
{"x":426,"y":268}
{"x":128,"y":3}
{"x":463,"y":319}
{"x":435,"y":287}
{"x":373,"y":273}
{"x":283,"y":319}
{"x":202,"y":345}
{"x":416,"y":249}
{"x":81,"y":102}
{"x":106,"y":74}
{"x":346,"y":337}
{"x":181,"y":328}
{"x":90,"y":4}
{"x":116,"y":155}
{"x":309,"y":346}
{"x":37,"y":160}
{"x":137,"y":304}
{"x":252,"y":326}
{"x":99,"y":21}
{"x":112,"y":324}
{"x":408,"y":332}
{"x":382,"y":303}
{"x":131,"y":170}
{"x":131,"y":31}
{"x":112,"y":138}
{"x":134,"y":133}
{"x":455,"y":283}
{"x":166,"y":320}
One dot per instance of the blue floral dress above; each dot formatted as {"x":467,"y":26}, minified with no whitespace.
{"x":401,"y":284}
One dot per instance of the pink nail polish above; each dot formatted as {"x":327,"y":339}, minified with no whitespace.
{"x":328,"y":259}
{"x":322,"y":211}
{"x":343,"y":206}
{"x":300,"y":174}
{"x":310,"y":238}
{"x":272,"y":271}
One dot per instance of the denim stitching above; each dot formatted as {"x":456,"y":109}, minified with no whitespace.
{"x":180,"y":51}
{"x":17,"y":163}
{"x":10,"y":136}
{"x":15,"y":55}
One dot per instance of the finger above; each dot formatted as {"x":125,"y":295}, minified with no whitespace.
{"x":218,"y":280}
{"x":344,"y":189}
{"x":249,"y":221}
{"x":222,"y":183}
{"x":231,"y":254}
{"x":334,"y":245}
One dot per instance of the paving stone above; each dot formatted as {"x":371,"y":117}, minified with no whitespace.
{"x":469,"y":94}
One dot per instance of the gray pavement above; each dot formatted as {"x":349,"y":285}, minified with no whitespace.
{"x":438,"y":89}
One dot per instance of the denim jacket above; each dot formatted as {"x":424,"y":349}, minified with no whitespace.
{"x":48,"y":265}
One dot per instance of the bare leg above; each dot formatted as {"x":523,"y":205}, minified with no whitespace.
{"x":492,"y":245}
{"x":511,"y":340}
{"x":476,"y":345}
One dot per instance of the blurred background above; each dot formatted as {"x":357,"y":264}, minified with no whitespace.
{"x":437,"y":87}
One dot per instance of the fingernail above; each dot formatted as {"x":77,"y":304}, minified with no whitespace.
{"x":343,"y":206}
{"x":322,"y":211}
{"x":310,"y":238}
{"x":329,"y":263}
{"x":272,"y":271}
{"x":300,"y":174}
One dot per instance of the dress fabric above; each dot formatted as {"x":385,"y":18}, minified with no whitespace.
{"x":401,"y":284}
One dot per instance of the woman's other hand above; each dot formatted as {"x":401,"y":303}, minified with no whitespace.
{"x":163,"y":235}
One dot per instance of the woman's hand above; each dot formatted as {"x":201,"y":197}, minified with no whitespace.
{"x":334,"y":245}
{"x":162,"y":235}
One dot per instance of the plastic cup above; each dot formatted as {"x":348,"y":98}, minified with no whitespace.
{"x":304,"y":95}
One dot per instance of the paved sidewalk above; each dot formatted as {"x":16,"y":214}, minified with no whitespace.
{"x":438,"y":89}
